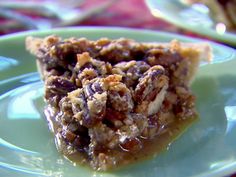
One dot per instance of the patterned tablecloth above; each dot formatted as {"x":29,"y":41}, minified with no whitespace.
{"x":125,"y":13}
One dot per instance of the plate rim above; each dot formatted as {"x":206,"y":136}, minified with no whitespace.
{"x":173,"y":35}
{"x":112,"y":28}
{"x":92,"y":28}
{"x":227,"y":37}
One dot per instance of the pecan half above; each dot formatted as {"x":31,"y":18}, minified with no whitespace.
{"x":151,"y":89}
{"x":88,"y":68}
{"x":161,"y":56}
{"x":57,"y":87}
{"x":120,"y":98}
{"x":96,"y":100}
{"x":131,"y":71}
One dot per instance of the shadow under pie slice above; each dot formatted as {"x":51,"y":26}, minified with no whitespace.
{"x":111,"y":102}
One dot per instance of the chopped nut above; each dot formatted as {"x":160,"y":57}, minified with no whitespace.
{"x":83,"y":58}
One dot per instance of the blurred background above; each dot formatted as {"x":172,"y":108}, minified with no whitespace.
{"x":43,"y":14}
{"x":22,"y":15}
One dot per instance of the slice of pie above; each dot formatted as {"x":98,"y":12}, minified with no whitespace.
{"x":111,"y":102}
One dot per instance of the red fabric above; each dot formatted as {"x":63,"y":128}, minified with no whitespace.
{"x":132,"y":13}
{"x":123,"y":13}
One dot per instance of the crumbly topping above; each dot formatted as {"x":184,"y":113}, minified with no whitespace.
{"x":82,"y":59}
{"x":107,"y":95}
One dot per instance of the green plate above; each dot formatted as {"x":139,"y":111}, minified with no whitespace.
{"x":194,"y":18}
{"x":27,"y":147}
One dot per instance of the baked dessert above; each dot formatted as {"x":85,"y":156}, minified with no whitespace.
{"x":109,"y":100}
{"x":223,"y":11}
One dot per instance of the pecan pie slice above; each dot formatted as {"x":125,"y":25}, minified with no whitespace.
{"x":111,"y":102}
